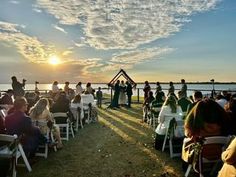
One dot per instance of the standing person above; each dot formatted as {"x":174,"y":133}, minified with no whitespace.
{"x":89,"y":89}
{"x":158,"y":88}
{"x":129,"y":93}
{"x":18,"y":87}
{"x":55,"y":88}
{"x":79,"y":89}
{"x":183,"y":88}
{"x":146,"y":89}
{"x":122,"y":97}
{"x":67,"y":88}
{"x":115,"y":101}
{"x":99,"y":97}
{"x":171,"y":90}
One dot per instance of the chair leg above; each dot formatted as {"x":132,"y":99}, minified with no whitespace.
{"x":188,"y":170}
{"x":171,"y":148}
{"x":164,"y":143}
{"x":67,"y":132}
{"x":81,"y":123}
{"x":24,"y":157}
{"x":14,"y":167}
{"x":72,"y":131}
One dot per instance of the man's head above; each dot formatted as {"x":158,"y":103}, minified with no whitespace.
{"x":197,"y":96}
{"x":20,"y":104}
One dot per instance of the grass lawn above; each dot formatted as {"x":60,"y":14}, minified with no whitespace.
{"x":118,"y":145}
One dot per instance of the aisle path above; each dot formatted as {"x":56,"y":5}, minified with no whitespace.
{"x":116,"y":146}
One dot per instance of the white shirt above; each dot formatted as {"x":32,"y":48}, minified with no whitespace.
{"x":55,"y":88}
{"x":79,"y":90}
{"x":164,"y":118}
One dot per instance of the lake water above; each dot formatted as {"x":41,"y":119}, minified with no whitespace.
{"x":205,"y":88}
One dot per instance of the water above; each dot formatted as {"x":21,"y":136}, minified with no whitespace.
{"x":191,"y":87}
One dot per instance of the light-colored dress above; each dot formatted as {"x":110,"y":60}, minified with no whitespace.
{"x":164,"y":118}
{"x":122,"y":96}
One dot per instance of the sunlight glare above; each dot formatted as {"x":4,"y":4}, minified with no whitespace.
{"x":54,"y":60}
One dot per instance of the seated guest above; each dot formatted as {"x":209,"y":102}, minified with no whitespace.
{"x":62,"y":104}
{"x":79,"y":89}
{"x":230,"y":109}
{"x":88,"y":100}
{"x":20,"y":124}
{"x":40,"y":112}
{"x":229,"y":159}
{"x":169,"y":110}
{"x":197,"y":96}
{"x":220,"y":99}
{"x":146,"y":105}
{"x":183,"y":102}
{"x":207,"y":118}
{"x":157,"y":102}
{"x":7,"y":98}
{"x":77,"y":103}
{"x":89,"y":89}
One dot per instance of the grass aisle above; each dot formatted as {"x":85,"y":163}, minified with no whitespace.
{"x":117,"y":146}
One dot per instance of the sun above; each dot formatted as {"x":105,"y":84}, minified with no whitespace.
{"x":54,"y":60}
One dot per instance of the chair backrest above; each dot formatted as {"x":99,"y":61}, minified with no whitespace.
{"x":60,"y":117}
{"x":176,"y":128}
{"x":8,"y":144}
{"x":212,"y":147}
{"x":86,"y":99}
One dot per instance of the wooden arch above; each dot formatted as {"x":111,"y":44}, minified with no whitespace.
{"x":125,"y":75}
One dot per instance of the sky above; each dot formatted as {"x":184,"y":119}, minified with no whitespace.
{"x":91,"y":40}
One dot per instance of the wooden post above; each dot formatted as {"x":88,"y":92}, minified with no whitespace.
{"x":111,"y":95}
{"x":138,"y":95}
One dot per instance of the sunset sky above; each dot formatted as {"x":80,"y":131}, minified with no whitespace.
{"x":90,"y":40}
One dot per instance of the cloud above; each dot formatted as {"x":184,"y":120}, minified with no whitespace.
{"x":30,"y":47}
{"x":15,"y":2}
{"x":36,"y":52}
{"x":37,"y":10}
{"x":59,"y":29}
{"x":125,"y":24}
{"x":127,"y":59}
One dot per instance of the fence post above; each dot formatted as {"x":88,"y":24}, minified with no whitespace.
{"x":138,"y":95}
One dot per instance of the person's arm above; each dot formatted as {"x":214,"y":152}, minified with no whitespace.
{"x":229,"y":155}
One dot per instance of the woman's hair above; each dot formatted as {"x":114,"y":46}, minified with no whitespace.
{"x":39,"y":107}
{"x":55,"y":83}
{"x":171,"y":101}
{"x":205,"y":111}
{"x":77,"y":99}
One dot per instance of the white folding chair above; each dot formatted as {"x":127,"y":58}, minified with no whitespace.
{"x":88,"y":101}
{"x":218,"y":142}
{"x":77,"y":115}
{"x":154,"y":119}
{"x":170,"y":135}
{"x":43,"y":148}
{"x":9,"y":150}
{"x":16,"y":151}
{"x":63,"y":121}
